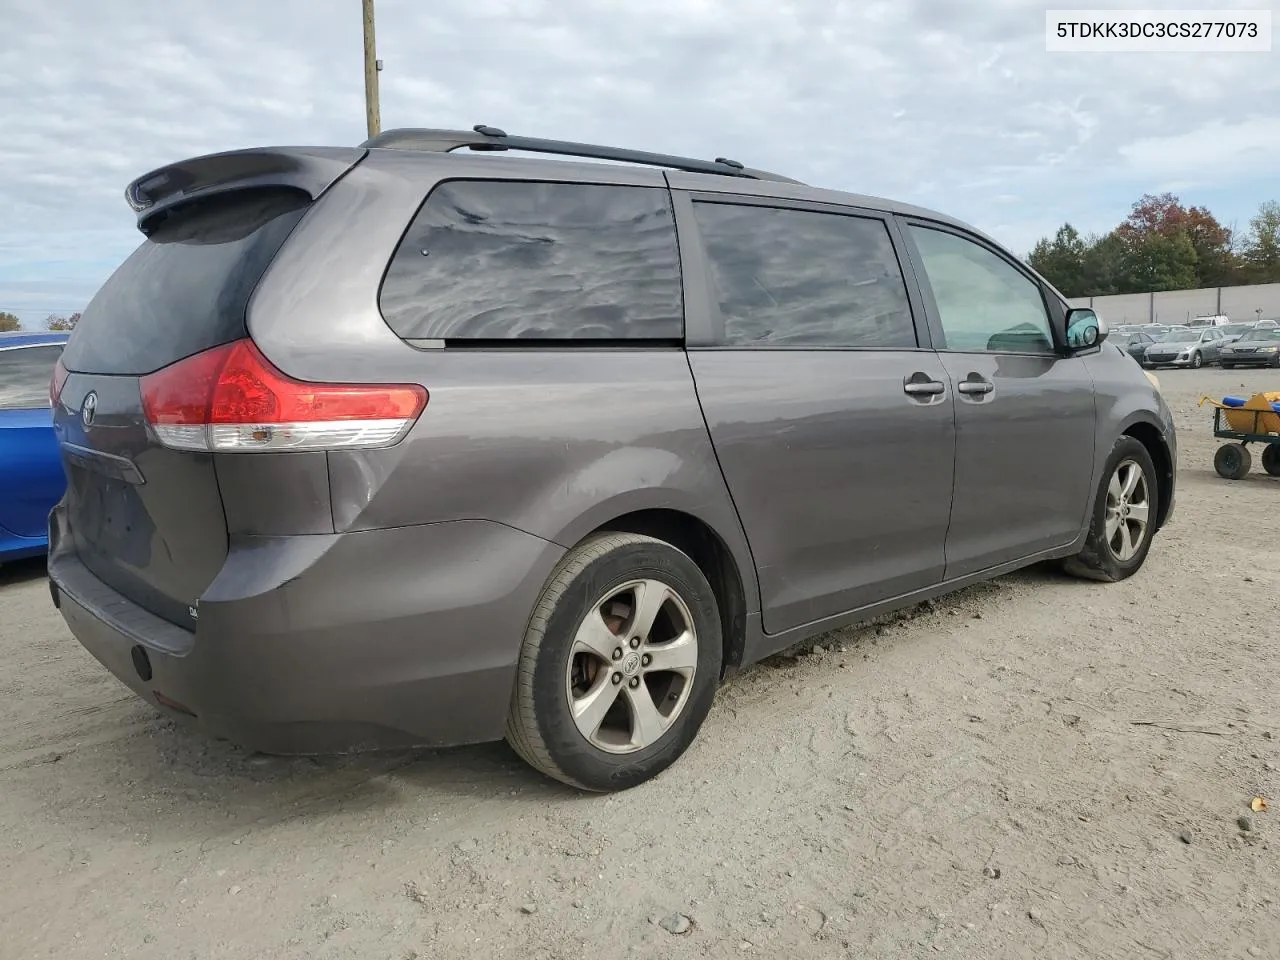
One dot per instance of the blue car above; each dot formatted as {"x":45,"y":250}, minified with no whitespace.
{"x":31,"y":476}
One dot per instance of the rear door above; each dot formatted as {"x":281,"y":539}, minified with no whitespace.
{"x":146,"y":519}
{"x":31,"y":479}
{"x":830,"y":414}
{"x":1024,"y":412}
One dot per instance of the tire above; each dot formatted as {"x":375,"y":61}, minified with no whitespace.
{"x":1197,"y":361}
{"x":1271,"y":459}
{"x":1276,"y":362}
{"x":1232,"y":461}
{"x":1100,"y":559}
{"x":554,"y":668}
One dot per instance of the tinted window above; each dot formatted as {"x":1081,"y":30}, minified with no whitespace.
{"x":186,"y":288}
{"x":796,"y":278}
{"x":500,"y":259}
{"x":24,"y":376}
{"x":984,"y":303}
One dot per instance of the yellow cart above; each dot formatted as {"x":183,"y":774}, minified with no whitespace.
{"x":1246,"y":421}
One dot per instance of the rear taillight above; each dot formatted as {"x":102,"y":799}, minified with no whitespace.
{"x":57,"y":382}
{"x":232,"y":399}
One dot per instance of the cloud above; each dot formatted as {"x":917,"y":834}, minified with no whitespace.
{"x":947,"y":105}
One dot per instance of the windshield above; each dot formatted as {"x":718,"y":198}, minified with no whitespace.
{"x":1179,"y":336}
{"x":1229,"y":329}
{"x":1266,"y":333}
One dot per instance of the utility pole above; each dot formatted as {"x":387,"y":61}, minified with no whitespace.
{"x":371,"y":68}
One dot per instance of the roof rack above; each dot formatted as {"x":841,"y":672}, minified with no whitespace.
{"x":485,"y":138}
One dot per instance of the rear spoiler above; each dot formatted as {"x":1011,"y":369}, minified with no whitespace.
{"x":310,"y":169}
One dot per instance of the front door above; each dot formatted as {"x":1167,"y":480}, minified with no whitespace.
{"x":831,"y":417}
{"x":1024,"y":411}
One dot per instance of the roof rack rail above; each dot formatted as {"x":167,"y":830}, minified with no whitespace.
{"x":485,"y":138}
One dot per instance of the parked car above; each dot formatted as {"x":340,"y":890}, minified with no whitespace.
{"x":31,"y":477}
{"x":1261,"y":348}
{"x":1232,"y":332}
{"x":399,"y":445}
{"x":1188,"y":347}
{"x":1134,"y":344}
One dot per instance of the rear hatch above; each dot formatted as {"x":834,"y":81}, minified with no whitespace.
{"x":145,"y":515}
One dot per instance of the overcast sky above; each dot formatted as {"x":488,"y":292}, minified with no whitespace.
{"x":949,"y":104}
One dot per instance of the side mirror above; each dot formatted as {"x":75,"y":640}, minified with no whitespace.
{"x":1085,"y":329}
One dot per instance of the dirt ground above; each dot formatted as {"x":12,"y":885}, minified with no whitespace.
{"x":968,"y":780}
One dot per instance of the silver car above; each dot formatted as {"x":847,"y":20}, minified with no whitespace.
{"x":1259,"y":348}
{"x":416,"y":443}
{"x":1185,"y":347}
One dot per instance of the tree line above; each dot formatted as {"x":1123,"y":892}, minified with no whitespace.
{"x":55,"y":321}
{"x":1162,"y":245}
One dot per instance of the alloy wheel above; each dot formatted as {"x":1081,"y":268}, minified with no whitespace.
{"x":631,"y":666}
{"x":1128,"y":510}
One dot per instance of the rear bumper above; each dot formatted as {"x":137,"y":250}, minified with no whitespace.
{"x":331,"y":643}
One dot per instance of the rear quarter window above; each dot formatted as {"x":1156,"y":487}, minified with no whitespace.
{"x":187,"y":286}
{"x":491,"y":260}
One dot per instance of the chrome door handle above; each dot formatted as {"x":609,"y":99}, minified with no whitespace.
{"x":975,"y":387}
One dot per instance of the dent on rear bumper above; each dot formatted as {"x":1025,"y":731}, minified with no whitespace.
{"x":322,"y":643}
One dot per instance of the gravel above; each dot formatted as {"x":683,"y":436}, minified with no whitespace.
{"x":138,"y":830}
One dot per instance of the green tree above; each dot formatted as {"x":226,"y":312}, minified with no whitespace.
{"x":1104,"y":265}
{"x":1261,"y":249}
{"x":55,"y":322}
{"x":1160,"y":263}
{"x":1061,"y":261}
{"x":9,"y":322}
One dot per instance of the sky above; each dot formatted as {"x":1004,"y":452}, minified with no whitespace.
{"x":948,"y":104}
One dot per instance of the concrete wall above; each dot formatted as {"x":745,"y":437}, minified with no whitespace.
{"x":1179,"y":306}
{"x":1243,"y":303}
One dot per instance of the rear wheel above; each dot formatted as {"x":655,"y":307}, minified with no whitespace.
{"x":619,"y":666}
{"x":1124,"y":516}
{"x":1232,"y":461}
{"x":1271,"y":459}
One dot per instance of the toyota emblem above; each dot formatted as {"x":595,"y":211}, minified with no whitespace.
{"x":89,"y":408}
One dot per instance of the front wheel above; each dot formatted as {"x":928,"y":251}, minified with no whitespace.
{"x":1124,"y":516}
{"x":1197,"y":361}
{"x":619,"y":666}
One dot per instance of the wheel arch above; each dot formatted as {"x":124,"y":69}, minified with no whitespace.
{"x":714,"y":557}
{"x":1152,"y":437}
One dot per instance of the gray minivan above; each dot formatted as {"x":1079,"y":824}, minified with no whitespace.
{"x":434,"y":441}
